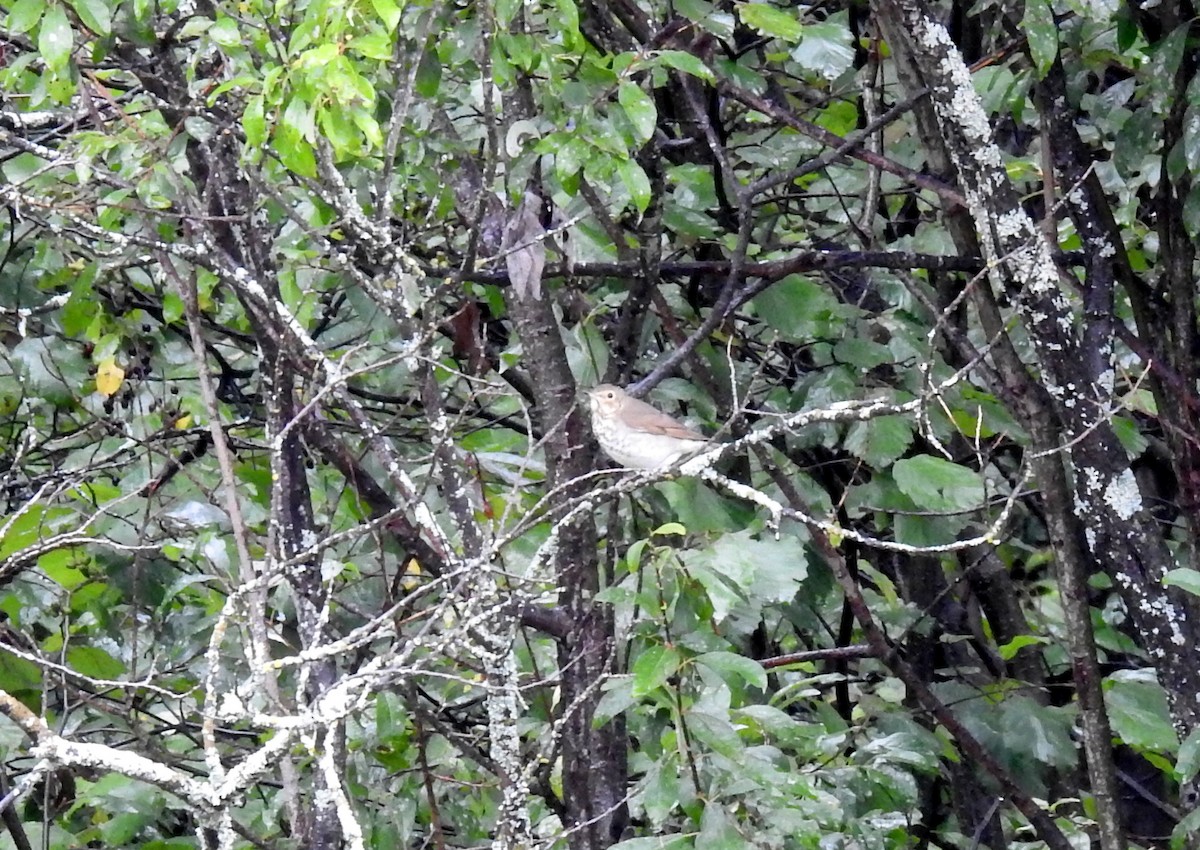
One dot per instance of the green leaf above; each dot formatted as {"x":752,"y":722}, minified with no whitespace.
{"x":689,"y":63}
{"x":567,"y":23}
{"x":1041,"y":732}
{"x":710,"y":18}
{"x":183,"y":583}
{"x":768,"y":20}
{"x":1167,"y":55}
{"x":388,"y":12}
{"x":1191,"y":211}
{"x":95,"y":15}
{"x":653,"y":668}
{"x":1009,"y":650}
{"x":569,"y":158}
{"x":722,"y":595}
{"x":1185,"y":829}
{"x":729,"y":665}
{"x":82,"y":307}
{"x":1134,"y":140}
{"x":24,"y":15}
{"x":617,"y":699}
{"x":18,"y":675}
{"x":880,"y":441}
{"x":661,"y":791}
{"x":716,"y":730}
{"x":319,"y":56}
{"x":633,"y":555}
{"x":864,"y":354}
{"x":122,"y":828}
{"x":827,"y":49}
{"x":1127,"y":32}
{"x":772,"y":720}
{"x":700,"y":508}
{"x":838,"y":117}
{"x":796,"y":306}
{"x":636,"y":182}
{"x":60,"y":566}
{"x":1188,"y":764}
{"x":172,"y":309}
{"x":26,"y":529}
{"x":640,"y":110}
{"x":294,"y":151}
{"x":1137,"y":709}
{"x":369,"y":127}
{"x":114,"y":792}
{"x":655,"y":842}
{"x":1042,"y":34}
{"x":1183,"y":577}
{"x":693,"y":187}
{"x":718,"y":831}
{"x":254,"y":122}
{"x":505,"y":11}
{"x":391,"y":719}
{"x":938,"y":485}
{"x":908,"y":748}
{"x":338,"y":128}
{"x":224,"y":32}
{"x":375,"y":45}
{"x":740,"y":567}
{"x":55,"y":39}
{"x":429,"y":74}
{"x":95,"y":662}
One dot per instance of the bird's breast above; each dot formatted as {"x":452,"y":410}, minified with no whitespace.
{"x":646,"y":451}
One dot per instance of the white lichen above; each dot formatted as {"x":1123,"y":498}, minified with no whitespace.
{"x":1123,"y":495}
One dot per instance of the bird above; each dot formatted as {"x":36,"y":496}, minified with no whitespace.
{"x":637,"y":435}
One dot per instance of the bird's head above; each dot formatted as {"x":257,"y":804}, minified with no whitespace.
{"x":605,"y":399}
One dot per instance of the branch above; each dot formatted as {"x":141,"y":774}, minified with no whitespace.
{"x":59,"y":750}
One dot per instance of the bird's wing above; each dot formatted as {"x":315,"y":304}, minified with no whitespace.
{"x":645,"y":417}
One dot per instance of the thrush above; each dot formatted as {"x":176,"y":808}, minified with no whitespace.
{"x":636,"y":435}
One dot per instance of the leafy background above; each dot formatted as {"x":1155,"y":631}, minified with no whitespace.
{"x":299,"y":504}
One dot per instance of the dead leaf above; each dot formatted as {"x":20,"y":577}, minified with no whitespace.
{"x":525,"y":246}
{"x":467,"y":332}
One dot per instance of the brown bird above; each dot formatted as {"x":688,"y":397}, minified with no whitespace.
{"x":636,"y":435}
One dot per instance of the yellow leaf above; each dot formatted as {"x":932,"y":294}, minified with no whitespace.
{"x":412,"y":575}
{"x":108,"y":377}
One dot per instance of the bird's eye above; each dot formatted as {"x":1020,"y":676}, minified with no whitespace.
{"x":609,"y":394}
